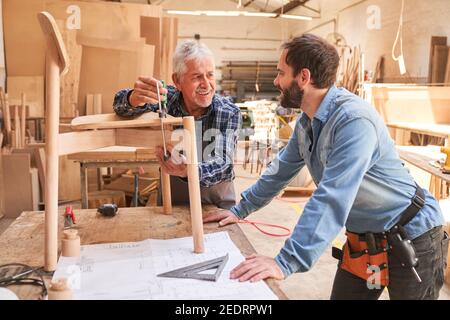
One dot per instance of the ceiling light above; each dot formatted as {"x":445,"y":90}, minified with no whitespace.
{"x":222,"y":13}
{"x":260,"y":14}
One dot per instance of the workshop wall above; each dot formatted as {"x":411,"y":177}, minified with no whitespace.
{"x":231,"y":38}
{"x":421,"y":20}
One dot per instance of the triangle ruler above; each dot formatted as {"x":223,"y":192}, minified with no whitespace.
{"x":194,"y":271}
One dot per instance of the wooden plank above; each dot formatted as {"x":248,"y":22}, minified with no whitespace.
{"x":6,"y":116}
{"x":70,"y":81}
{"x":447,"y":70}
{"x":17,"y":184}
{"x":90,"y":104}
{"x":111,"y":120}
{"x":440,"y":130}
{"x":73,"y":142}
{"x":169,"y":42}
{"x":22,"y":241}
{"x":151,"y":30}
{"x":69,"y":184}
{"x":121,"y":45}
{"x":23,"y":120}
{"x":33,"y":87}
{"x":23,"y":58}
{"x":97,"y":105}
{"x":409,"y":103}
{"x":439,"y":64}
{"x":434,"y":41}
{"x":17,"y":139}
{"x":106,"y":71}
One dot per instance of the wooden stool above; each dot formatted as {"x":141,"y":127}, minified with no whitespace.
{"x":97,"y":198}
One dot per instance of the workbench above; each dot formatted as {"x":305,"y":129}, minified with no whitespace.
{"x":110,"y":157}
{"x":23,"y":241}
{"x":421,"y":158}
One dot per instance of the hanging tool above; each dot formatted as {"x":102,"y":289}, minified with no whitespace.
{"x":162,"y":114}
{"x":137,"y":199}
{"x":446,"y":166}
{"x":194,"y":271}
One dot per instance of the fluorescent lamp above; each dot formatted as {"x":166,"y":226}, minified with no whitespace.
{"x":191,"y":13}
{"x":289,"y":16}
{"x":260,"y":14}
{"x":222,"y":13}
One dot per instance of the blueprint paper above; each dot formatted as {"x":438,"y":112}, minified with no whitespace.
{"x":128,"y":270}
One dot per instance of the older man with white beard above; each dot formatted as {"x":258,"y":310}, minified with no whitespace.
{"x":217,"y":121}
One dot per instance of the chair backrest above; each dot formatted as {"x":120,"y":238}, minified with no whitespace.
{"x":54,"y":39}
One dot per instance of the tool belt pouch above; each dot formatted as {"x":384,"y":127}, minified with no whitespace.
{"x":355,"y":258}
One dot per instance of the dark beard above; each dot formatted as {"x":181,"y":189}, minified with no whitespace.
{"x":291,"y":97}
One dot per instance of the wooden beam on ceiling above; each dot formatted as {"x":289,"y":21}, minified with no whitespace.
{"x":290,"y":6}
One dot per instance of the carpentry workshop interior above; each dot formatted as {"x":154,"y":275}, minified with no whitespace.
{"x":224,"y":150}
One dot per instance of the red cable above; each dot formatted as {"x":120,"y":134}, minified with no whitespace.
{"x":255,"y":223}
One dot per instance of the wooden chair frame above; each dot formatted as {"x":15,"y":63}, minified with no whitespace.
{"x":98,"y":131}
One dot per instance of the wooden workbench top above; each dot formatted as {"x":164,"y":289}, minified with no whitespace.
{"x":23,"y":241}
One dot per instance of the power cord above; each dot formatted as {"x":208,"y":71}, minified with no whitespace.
{"x":22,"y":277}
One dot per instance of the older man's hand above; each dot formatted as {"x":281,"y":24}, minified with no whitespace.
{"x":256,"y":268}
{"x":145,"y":91}
{"x":223,"y":216}
{"x":170,"y":167}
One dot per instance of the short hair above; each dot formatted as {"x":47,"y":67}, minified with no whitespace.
{"x":189,"y":50}
{"x":315,"y":54}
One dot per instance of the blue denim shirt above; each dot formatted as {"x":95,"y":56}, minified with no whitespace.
{"x":361,"y":182}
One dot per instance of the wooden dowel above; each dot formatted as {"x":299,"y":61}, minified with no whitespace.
{"x":16,"y":128}
{"x":52,"y":82}
{"x":166,"y":196}
{"x":23,"y":120}
{"x":190,"y":146}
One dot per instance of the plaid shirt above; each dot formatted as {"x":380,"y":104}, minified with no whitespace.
{"x":222,"y":116}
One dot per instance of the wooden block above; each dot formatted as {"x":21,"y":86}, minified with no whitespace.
{"x":434,"y":41}
{"x":19,"y":184}
{"x":439,"y":64}
{"x":33,"y":87}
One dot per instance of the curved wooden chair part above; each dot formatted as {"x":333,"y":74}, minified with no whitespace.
{"x":56,"y":63}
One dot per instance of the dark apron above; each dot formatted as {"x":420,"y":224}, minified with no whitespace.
{"x":221,"y":195}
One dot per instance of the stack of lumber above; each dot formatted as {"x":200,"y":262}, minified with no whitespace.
{"x":352,"y":73}
{"x":438,"y":66}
